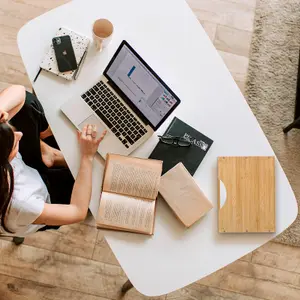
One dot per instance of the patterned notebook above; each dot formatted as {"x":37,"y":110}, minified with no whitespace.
{"x":80,"y":44}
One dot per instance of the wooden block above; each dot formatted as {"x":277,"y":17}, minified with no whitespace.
{"x":250,"y":194}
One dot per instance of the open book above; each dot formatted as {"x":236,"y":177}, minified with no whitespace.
{"x":130,"y":189}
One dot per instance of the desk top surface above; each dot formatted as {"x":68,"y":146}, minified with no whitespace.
{"x":170,"y":39}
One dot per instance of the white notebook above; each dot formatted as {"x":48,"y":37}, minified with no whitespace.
{"x":80,"y":43}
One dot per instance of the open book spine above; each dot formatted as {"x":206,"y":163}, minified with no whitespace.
{"x":130,"y":189}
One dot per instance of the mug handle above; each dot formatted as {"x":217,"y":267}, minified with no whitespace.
{"x":97,"y":41}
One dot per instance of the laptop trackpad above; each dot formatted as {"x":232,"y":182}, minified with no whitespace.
{"x":92,"y":120}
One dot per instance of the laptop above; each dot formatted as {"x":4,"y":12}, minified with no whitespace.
{"x":130,"y":101}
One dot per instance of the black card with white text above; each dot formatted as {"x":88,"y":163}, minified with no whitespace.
{"x":191,"y":156}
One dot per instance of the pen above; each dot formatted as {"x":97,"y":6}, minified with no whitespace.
{"x":37,"y":75}
{"x":80,"y":65}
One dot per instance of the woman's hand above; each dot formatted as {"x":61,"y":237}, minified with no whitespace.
{"x":11,"y":101}
{"x":88,"y":141}
{"x":3,"y":116}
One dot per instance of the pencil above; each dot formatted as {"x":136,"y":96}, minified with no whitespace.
{"x":75,"y":76}
{"x":37,"y":75}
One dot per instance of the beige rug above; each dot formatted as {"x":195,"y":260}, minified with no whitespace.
{"x":271,"y":87}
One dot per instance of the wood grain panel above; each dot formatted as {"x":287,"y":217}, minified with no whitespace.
{"x":250,"y":188}
{"x":236,"y":64}
{"x":202,"y":292}
{"x":45,"y":4}
{"x":210,"y":29}
{"x":102,"y":251}
{"x":278,"y":257}
{"x":12,"y":288}
{"x":12,"y":70}
{"x":234,"y":281}
{"x":61,"y":270}
{"x":232,"y":40}
{"x":237,"y":14}
{"x":20,"y":10}
{"x":76,"y":239}
{"x":8,"y":43}
{"x":265,"y":273}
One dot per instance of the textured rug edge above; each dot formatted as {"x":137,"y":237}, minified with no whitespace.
{"x":291,"y":236}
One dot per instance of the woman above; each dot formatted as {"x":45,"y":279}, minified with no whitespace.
{"x":37,"y":190}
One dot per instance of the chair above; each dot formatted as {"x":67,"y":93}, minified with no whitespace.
{"x":18,"y":240}
{"x":126,"y":287}
{"x":296,"y":122}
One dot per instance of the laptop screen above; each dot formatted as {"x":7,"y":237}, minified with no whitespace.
{"x":145,"y":90}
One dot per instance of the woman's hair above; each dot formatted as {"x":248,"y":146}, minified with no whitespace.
{"x":7,"y":138}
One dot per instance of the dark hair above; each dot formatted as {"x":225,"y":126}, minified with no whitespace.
{"x":7,"y":138}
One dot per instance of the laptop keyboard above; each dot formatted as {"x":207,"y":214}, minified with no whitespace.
{"x":114,"y":114}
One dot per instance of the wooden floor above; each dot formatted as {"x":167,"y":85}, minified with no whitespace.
{"x":76,"y":262}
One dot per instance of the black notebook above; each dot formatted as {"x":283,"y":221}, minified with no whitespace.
{"x":191,"y":156}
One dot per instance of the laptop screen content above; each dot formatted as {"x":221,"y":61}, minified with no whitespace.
{"x":139,"y":84}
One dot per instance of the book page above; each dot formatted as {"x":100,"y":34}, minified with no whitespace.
{"x":132,"y":176}
{"x":123,"y":212}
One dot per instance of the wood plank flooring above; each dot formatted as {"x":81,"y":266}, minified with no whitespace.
{"x":76,"y":262}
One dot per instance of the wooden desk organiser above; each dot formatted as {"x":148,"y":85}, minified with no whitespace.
{"x":247,"y":186}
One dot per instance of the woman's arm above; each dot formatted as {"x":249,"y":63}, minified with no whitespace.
{"x":56,"y":214}
{"x":11,"y":100}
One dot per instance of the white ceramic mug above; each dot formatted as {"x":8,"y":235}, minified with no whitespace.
{"x":102,"y":33}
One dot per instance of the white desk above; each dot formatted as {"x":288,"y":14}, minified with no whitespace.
{"x":168,"y":36}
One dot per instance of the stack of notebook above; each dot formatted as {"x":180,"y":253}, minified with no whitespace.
{"x":80,"y":45}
